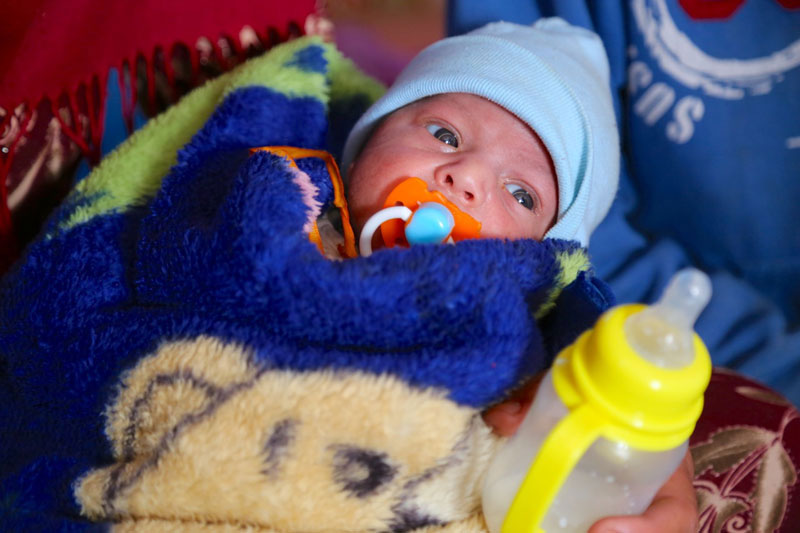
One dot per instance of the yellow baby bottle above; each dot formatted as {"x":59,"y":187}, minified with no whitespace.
{"x":611,"y":420}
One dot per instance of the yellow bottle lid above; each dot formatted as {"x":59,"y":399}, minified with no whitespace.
{"x":649,"y":407}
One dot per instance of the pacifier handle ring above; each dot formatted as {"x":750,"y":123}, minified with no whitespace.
{"x":375,"y":221}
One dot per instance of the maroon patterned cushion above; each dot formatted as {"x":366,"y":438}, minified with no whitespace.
{"x":746,"y":450}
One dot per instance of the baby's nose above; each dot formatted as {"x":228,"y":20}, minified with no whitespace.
{"x":463,"y":183}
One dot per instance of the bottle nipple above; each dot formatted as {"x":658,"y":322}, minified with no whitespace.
{"x":663,"y":332}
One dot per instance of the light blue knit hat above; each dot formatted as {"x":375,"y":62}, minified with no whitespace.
{"x":552,"y":75}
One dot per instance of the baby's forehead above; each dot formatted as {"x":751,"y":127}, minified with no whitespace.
{"x":461,"y":104}
{"x":452,"y":100}
{"x":477,"y":107}
{"x":475,"y":120}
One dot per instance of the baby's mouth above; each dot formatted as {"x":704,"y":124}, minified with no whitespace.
{"x":414,"y":215}
{"x":412,"y":193}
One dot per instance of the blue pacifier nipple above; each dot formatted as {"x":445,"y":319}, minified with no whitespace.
{"x":431,"y":224}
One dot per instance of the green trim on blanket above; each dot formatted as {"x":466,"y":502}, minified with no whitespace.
{"x":132,"y":174}
{"x":572,"y":263}
{"x":280,"y":74}
{"x":347,"y":80}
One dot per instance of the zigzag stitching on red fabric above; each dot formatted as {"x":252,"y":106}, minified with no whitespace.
{"x":89,"y":139}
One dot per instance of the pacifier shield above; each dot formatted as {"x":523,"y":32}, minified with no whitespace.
{"x":412,"y":193}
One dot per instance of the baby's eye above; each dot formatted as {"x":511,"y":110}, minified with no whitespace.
{"x":522,"y":196}
{"x":443,"y":134}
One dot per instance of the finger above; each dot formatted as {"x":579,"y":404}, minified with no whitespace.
{"x":665,"y":515}
{"x":673,"y":510}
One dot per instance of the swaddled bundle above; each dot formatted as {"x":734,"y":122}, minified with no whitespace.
{"x":176,"y":353}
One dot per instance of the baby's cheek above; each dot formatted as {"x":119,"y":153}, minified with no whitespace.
{"x":359,"y":215}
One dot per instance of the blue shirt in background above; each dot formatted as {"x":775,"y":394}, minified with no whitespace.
{"x":708,"y":102}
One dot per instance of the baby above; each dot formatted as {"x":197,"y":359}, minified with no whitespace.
{"x":515,"y":126}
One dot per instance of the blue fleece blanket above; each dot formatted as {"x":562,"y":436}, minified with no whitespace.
{"x":178,"y":278}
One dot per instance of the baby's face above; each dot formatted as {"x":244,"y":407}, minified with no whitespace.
{"x":481,"y":157}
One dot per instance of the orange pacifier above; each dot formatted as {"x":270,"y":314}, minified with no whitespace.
{"x":414,"y":215}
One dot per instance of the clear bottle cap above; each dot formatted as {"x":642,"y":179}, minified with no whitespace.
{"x":663,"y":332}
